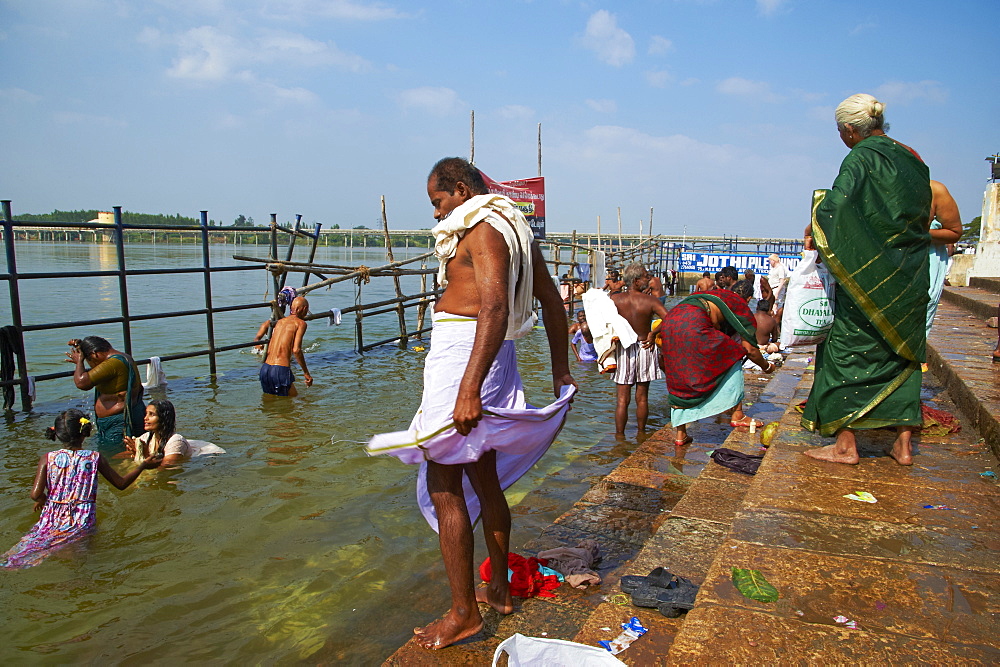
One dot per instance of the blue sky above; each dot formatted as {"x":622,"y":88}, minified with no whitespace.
{"x":718,"y":114}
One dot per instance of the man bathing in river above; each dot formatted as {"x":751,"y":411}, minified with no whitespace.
{"x":705,"y":283}
{"x":639,"y":363}
{"x":491,"y":273}
{"x":276,"y":376}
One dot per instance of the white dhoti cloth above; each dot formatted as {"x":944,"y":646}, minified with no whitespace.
{"x":606,"y":326}
{"x":518,"y":432}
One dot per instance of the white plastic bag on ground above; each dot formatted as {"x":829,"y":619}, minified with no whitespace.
{"x":808,"y":313}
{"x":523,"y":651}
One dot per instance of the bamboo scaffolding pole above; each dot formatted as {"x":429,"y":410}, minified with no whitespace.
{"x":374,"y":273}
{"x":619,"y":227}
{"x":400,"y":312}
{"x":378,"y":304}
{"x":330,"y":267}
{"x":422,"y":308}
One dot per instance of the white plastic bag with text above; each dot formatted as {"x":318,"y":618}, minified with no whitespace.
{"x":809,"y":303}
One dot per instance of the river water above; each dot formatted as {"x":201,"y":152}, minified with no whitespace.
{"x":293,"y":546}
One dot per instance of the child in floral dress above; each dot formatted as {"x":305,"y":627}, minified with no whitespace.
{"x":65,"y":490}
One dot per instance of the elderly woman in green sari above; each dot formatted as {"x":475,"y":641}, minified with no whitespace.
{"x":114,"y":378}
{"x":870,"y":230}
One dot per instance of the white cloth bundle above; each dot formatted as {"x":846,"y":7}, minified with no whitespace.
{"x":606,"y":324}
{"x":155,"y":376}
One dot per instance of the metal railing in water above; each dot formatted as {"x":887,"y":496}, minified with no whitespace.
{"x":14,"y":334}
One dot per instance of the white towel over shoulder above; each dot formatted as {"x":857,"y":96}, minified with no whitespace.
{"x":506,"y":218}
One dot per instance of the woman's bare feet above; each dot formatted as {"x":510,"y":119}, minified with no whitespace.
{"x":448,"y":630}
{"x":902,"y":449}
{"x":499,"y":600}
{"x":845,"y":450}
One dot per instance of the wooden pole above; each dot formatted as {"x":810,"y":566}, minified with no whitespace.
{"x":400,"y":311}
{"x":620,"y":229}
{"x":472,"y":136}
{"x":539,"y":150}
{"x":422,"y":308}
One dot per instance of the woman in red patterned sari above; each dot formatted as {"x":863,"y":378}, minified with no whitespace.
{"x":705,"y":339}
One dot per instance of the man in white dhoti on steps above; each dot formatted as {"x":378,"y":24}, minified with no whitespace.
{"x":474,"y":434}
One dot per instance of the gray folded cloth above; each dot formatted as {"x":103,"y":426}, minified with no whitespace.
{"x":575,"y":563}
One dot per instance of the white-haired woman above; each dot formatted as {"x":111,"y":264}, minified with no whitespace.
{"x":870,"y":230}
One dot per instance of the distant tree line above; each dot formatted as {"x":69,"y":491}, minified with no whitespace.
{"x":128,"y":218}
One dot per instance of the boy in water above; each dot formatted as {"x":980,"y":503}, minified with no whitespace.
{"x":286,"y":340}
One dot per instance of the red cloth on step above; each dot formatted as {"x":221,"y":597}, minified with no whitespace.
{"x":527,"y":581}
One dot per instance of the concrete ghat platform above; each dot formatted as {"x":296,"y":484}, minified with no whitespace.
{"x":920,"y":584}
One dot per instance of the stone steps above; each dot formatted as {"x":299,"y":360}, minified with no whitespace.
{"x":988,"y":284}
{"x":921,"y":584}
{"x":979,"y":302}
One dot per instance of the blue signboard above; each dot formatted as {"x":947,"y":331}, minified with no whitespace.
{"x":699,"y":262}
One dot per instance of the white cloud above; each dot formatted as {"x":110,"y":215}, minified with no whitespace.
{"x":207,"y":54}
{"x":770,"y":7}
{"x":612,"y":45}
{"x":821,"y":113}
{"x":86,"y":120}
{"x":515,"y":112}
{"x":901,"y":92}
{"x":434,"y":100}
{"x":18,"y":96}
{"x":658,"y":78}
{"x":757,"y":91}
{"x":290,"y":95}
{"x":332,"y":9}
{"x":659,"y":45}
{"x":863,"y":27}
{"x":618,"y":144}
{"x":603,"y":106}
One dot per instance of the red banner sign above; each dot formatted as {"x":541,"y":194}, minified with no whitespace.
{"x":529,"y":196}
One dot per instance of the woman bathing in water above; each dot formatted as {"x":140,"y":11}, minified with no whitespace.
{"x":160,"y":438}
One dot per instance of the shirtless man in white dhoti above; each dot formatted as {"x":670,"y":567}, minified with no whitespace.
{"x":492,"y":271}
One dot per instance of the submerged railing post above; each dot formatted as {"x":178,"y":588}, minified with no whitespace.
{"x":15,"y":304}
{"x":209,"y":315}
{"x":122,"y":279}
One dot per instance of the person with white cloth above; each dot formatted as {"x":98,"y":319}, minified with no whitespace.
{"x":474,"y":434}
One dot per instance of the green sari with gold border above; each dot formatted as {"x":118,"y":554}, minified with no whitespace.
{"x":871,"y":231}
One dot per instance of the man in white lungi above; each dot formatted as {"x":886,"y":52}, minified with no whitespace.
{"x":639,"y":362}
{"x":491,"y":273}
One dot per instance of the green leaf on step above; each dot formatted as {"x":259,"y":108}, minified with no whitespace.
{"x":753,"y":585}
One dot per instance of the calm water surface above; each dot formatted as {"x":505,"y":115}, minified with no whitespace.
{"x":293,"y":546}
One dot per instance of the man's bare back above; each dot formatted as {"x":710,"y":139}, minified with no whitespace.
{"x":767,"y":328}
{"x":286,"y":339}
{"x":639,"y":310}
{"x":704,"y":284}
{"x":655,"y":288}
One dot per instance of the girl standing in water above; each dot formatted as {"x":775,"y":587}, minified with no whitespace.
{"x":65,"y":491}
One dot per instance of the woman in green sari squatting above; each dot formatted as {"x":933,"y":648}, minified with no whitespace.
{"x":870,"y":230}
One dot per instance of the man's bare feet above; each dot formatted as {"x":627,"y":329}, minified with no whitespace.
{"x":834,"y":454}
{"x":499,"y":600}
{"x":448,"y":630}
